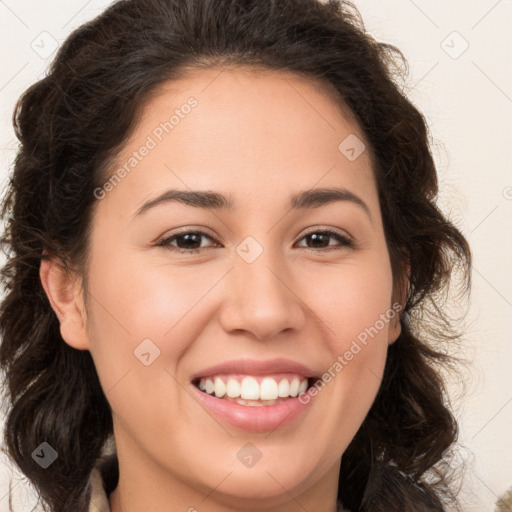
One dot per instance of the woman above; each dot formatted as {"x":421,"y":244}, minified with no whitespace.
{"x":224,"y":248}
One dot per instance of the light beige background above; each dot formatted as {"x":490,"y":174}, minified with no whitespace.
{"x":460,"y":77}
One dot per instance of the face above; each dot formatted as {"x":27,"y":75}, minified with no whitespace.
{"x":263,"y":296}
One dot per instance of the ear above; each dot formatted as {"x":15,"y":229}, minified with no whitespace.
{"x":399,"y":300}
{"x":65,"y":294}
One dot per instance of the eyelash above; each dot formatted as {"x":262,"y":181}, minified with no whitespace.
{"x":166,"y":242}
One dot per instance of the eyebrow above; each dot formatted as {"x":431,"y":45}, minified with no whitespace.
{"x":312,"y":198}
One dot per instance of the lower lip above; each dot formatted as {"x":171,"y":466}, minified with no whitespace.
{"x":256,"y":418}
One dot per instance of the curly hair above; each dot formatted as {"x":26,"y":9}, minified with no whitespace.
{"x":72,"y":123}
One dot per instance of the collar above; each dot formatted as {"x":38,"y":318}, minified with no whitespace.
{"x":99,"y":500}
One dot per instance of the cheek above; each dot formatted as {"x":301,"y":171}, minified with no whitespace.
{"x":138,"y":300}
{"x":352,"y":300}
{"x":144,"y":319}
{"x":355,"y":307}
{"x":139,"y":328}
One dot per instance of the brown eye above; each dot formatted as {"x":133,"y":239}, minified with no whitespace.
{"x":320,"y":239}
{"x":187,"y":241}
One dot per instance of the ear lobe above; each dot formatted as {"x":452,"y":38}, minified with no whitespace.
{"x":400,"y":297}
{"x":65,"y":296}
{"x":395,"y":328}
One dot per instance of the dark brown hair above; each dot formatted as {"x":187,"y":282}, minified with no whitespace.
{"x":72,"y":123}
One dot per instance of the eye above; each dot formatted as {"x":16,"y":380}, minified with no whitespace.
{"x":189,"y":242}
{"x":320,"y":236}
{"x":187,"y":239}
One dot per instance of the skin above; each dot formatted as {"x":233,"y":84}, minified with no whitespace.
{"x":261,"y":137}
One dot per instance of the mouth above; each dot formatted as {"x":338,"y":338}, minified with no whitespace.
{"x":256,"y":395}
{"x":255,"y":390}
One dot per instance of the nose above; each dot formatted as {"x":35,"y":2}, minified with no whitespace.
{"x":261,"y":300}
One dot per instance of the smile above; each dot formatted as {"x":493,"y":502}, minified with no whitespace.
{"x":255,"y":395}
{"x":254,"y":391}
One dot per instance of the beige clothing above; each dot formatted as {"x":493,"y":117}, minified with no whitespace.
{"x":99,"y":500}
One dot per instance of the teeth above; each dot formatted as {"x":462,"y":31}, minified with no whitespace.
{"x":254,"y":403}
{"x":268,"y":389}
{"x":210,"y":387}
{"x":250,"y":389}
{"x":294,"y":387}
{"x":233,"y":388}
{"x":284,"y":388}
{"x":219,"y":387}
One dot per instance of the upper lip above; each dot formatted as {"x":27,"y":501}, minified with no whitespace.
{"x":257,"y":367}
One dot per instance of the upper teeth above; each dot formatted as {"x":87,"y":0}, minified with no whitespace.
{"x":250,"y":389}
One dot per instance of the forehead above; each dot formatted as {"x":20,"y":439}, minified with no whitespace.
{"x":256,"y":131}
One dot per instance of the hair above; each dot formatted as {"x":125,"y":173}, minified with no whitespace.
{"x":73,"y":122}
